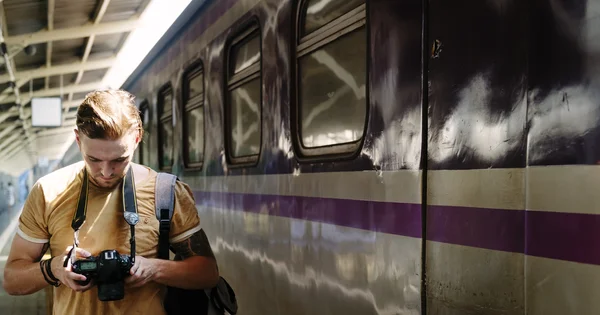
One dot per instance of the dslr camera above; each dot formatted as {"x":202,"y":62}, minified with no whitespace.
{"x":109,"y":270}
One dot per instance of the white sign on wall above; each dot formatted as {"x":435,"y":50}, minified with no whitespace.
{"x":46,"y":112}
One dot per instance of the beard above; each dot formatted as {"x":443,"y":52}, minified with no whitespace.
{"x":99,"y":181}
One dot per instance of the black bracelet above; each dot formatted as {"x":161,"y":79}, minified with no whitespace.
{"x":42,"y":269}
{"x":50,"y":282}
{"x":49,"y":269}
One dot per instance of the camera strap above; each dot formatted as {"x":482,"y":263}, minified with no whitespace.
{"x":129,"y":206}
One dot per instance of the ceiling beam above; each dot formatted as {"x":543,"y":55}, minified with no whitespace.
{"x":49,"y":45}
{"x":61,"y":69}
{"x":7,"y":130}
{"x":15,"y":137}
{"x":17,"y":164}
{"x":3,"y":17}
{"x":142,"y":8}
{"x":6,"y":92}
{"x":48,"y":63}
{"x":100,"y":11}
{"x":87,"y":30}
{"x":12,"y":71}
{"x":91,"y":39}
{"x":8,"y":60}
{"x":88,"y":87}
{"x":18,"y":144}
{"x":9,"y":113}
{"x":30,"y":141}
{"x":20,"y":82}
{"x":13,"y":149}
{"x":5,"y":125}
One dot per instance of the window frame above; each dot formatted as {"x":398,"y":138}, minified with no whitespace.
{"x":234,"y":80}
{"x":161,"y":117}
{"x":304,"y":45}
{"x":187,"y":105}
{"x":144,"y":109}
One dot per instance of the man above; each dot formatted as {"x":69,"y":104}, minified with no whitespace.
{"x":108,"y":131}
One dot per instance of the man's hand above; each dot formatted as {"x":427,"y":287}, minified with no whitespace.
{"x":65,"y":274}
{"x":141,"y":272}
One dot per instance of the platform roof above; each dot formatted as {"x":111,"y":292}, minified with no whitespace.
{"x":57,"y":48}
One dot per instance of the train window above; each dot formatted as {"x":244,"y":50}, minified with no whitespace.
{"x":195,"y":83}
{"x":167,"y":103}
{"x":193,"y":116}
{"x":319,"y":12}
{"x":244,"y":97}
{"x":332,"y":76}
{"x":144,"y":149}
{"x":165,"y":129}
{"x":245,"y":54}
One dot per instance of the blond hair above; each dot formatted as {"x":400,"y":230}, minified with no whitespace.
{"x":109,"y":115}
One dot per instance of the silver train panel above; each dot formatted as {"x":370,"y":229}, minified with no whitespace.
{"x":374,"y":186}
{"x":472,"y":280}
{"x":556,"y":287}
{"x":480,"y":273}
{"x":289,"y":266}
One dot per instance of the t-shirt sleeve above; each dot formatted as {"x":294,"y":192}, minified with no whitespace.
{"x":32,"y":221}
{"x":185,"y":220}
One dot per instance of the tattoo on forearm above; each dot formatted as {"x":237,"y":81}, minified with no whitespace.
{"x":44,"y":250}
{"x":195,"y":245}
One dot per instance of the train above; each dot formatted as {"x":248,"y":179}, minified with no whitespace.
{"x":386,"y":156}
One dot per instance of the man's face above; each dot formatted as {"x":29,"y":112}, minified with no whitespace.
{"x":107,"y":161}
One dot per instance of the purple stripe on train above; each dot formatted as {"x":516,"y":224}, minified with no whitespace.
{"x":366,"y":215}
{"x":495,"y":229}
{"x":565,"y":236}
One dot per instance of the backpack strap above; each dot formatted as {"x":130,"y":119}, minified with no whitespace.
{"x":164,"y":198}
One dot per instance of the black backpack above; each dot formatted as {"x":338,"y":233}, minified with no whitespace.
{"x":219,"y":300}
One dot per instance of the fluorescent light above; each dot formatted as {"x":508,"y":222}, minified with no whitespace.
{"x":154,"y":22}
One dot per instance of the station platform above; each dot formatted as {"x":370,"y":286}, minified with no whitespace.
{"x":34,"y":304}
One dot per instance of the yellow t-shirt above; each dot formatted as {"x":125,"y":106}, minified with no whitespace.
{"x":47,"y":216}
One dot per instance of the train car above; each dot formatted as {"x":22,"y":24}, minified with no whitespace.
{"x":387,"y":156}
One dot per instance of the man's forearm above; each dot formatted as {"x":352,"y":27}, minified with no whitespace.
{"x":23,"y":277}
{"x":197,"y":272}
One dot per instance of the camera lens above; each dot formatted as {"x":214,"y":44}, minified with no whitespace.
{"x":111,"y":292}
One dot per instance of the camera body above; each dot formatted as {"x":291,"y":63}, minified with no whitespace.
{"x":109,"y":270}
